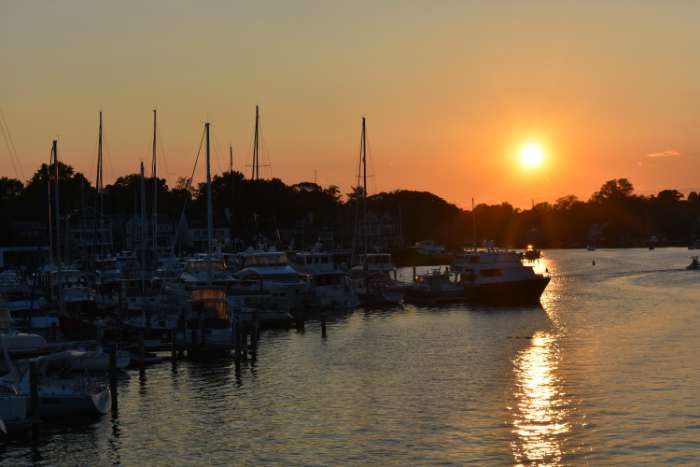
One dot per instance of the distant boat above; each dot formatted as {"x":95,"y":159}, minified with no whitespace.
{"x":694,"y":264}
{"x":531,"y":253}
{"x":590,"y":247}
{"x":652,"y":242}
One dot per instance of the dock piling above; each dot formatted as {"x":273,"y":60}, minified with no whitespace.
{"x":34,"y":392}
{"x":113,"y":376}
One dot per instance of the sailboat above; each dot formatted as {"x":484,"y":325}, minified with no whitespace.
{"x":372,"y":276}
{"x":208,"y":316}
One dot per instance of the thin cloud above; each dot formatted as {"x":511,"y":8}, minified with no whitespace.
{"x":666,"y":153}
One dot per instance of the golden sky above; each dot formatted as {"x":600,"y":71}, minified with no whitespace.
{"x":451,"y":90}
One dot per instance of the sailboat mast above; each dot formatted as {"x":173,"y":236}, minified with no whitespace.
{"x":256,"y":146}
{"x":48,"y":185}
{"x":210,"y":219}
{"x":98,"y":187}
{"x":230,"y":159}
{"x":99,"y":182}
{"x":57,"y":201}
{"x":364,"y":187}
{"x":154,"y":172}
{"x":473,"y":226}
{"x":142,"y":221}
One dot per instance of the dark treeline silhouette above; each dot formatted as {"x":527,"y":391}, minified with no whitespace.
{"x":613,"y":216}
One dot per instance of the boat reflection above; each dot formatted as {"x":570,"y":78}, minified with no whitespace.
{"x":539,"y":417}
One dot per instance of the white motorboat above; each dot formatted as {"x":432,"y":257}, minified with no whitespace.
{"x":330,"y":286}
{"x":498,"y":277}
{"x":275,"y":275}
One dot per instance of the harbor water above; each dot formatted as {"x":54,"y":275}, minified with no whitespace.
{"x":606,"y":371}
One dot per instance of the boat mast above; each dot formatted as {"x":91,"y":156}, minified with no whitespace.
{"x":98,"y":186}
{"x":256,"y":146}
{"x":48,"y":186}
{"x":363,"y":145}
{"x":59,"y":280}
{"x":473,"y":226}
{"x":142,"y":222}
{"x":210,"y":220}
{"x":154,"y":172}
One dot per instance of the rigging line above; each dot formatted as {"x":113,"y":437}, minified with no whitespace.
{"x":12,"y":143}
{"x":216,"y":151}
{"x":9,"y":151}
{"x":188,"y":184}
{"x":162,"y":152}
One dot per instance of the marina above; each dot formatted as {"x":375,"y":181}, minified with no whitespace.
{"x":454,"y":384}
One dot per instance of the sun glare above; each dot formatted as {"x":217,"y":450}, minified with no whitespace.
{"x":531,"y":155}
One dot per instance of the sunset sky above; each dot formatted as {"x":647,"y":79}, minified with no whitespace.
{"x":451,"y":90}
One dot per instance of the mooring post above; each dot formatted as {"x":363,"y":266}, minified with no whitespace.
{"x":113,"y":375}
{"x":237,"y":337}
{"x":142,"y":350}
{"x":256,"y":327}
{"x":414,"y":273}
{"x":202,"y":336}
{"x":173,"y":346}
{"x":34,"y":391}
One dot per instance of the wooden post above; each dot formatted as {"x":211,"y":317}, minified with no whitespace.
{"x":142,"y":350}
{"x":173,"y":346}
{"x":323,"y":324}
{"x":414,"y":273}
{"x":256,"y":326}
{"x":237,"y":337}
{"x":202,"y":336}
{"x":34,"y":391}
{"x":113,"y":375}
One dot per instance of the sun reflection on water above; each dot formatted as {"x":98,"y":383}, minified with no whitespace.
{"x":539,"y":418}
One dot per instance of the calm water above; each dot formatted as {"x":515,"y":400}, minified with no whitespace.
{"x":606,"y":371}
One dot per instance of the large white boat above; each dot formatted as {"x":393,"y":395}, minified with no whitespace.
{"x":275,"y":275}
{"x":498,"y":277}
{"x":330,"y":286}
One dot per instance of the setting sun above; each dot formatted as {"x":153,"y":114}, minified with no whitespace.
{"x":531,"y":155}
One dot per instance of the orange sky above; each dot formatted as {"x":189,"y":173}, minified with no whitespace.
{"x":450,"y":89}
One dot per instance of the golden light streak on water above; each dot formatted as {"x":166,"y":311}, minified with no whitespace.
{"x":539,"y":418}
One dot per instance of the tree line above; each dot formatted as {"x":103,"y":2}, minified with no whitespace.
{"x":614,"y":216}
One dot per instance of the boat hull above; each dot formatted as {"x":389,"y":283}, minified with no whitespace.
{"x":522,"y":292}
{"x":87,"y":405}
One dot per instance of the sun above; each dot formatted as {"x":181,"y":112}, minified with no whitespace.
{"x":531,"y":155}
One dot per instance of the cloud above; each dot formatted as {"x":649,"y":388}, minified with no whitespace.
{"x":666,"y":153}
